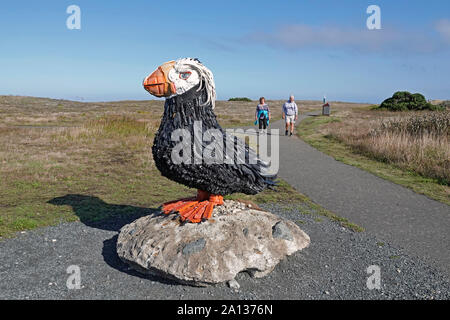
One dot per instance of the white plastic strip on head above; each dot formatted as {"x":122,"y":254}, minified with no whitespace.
{"x":205,"y":75}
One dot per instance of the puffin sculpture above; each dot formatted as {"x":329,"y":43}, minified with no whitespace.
{"x":189,"y":89}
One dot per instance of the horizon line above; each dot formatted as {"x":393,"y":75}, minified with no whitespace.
{"x":82,"y":100}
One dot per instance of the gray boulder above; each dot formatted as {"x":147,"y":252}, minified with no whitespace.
{"x":235,"y":239}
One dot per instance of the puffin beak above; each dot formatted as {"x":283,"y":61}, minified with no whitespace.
{"x":158,"y":83}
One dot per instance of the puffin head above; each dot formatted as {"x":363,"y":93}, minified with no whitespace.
{"x":174,"y":78}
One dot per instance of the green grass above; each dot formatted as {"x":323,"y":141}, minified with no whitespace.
{"x":98,"y":168}
{"x":281,"y":194}
{"x":309,"y":131}
{"x":84,"y":196}
{"x":119,"y":189}
{"x":92,"y":198}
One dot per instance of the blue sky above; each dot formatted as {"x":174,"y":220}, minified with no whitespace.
{"x":254,"y":48}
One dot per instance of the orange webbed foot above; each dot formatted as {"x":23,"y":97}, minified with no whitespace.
{"x":196,"y":209}
{"x":173,"y":206}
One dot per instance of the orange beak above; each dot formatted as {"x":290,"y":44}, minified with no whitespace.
{"x":158,"y":83}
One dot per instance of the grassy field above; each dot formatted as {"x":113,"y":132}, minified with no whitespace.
{"x":68,"y":161}
{"x":43,"y":112}
{"x":408,"y":148}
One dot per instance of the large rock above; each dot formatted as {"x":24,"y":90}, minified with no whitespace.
{"x":235,"y":239}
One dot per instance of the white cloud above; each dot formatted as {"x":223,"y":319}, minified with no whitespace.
{"x":299,"y":36}
{"x":443,"y":27}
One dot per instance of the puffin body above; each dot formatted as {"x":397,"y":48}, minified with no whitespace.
{"x":187,"y":105}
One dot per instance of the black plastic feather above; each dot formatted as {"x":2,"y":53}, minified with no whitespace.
{"x":180,"y":112}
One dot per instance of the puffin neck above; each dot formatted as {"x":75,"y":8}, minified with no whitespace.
{"x":182,"y":110}
{"x":192,"y":96}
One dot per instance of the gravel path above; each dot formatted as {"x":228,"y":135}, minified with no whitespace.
{"x":389,"y":211}
{"x":33,"y":266}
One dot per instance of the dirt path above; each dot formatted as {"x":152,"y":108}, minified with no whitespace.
{"x":387,"y":210}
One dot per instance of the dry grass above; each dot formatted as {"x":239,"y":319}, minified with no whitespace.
{"x":408,"y":148}
{"x":31,"y":111}
{"x":416,"y":142}
{"x":66,"y":161}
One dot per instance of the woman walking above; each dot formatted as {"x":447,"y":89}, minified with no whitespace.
{"x":262,"y":115}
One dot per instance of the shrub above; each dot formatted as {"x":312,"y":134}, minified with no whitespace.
{"x":404,"y":101}
{"x":240,"y":99}
{"x":445,"y":104}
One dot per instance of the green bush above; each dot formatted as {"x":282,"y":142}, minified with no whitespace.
{"x":240,"y":99}
{"x":445,"y":104}
{"x":404,"y":101}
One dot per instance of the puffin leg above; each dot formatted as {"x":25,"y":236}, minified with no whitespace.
{"x":214,"y":200}
{"x":196,"y":209}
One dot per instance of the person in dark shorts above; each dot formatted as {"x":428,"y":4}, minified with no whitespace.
{"x":262,"y":115}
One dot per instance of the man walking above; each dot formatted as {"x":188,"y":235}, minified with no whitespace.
{"x":290,"y":114}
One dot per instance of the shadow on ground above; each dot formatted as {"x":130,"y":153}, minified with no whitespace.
{"x":111,"y":258}
{"x":96,"y":213}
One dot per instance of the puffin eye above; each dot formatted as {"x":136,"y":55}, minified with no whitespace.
{"x":185,"y":75}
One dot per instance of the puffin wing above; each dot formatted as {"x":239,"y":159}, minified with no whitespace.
{"x":238,"y":169}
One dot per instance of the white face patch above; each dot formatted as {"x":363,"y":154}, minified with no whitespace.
{"x":183,"y":78}
{"x":188,"y":73}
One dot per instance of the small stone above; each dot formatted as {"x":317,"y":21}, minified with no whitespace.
{"x":233,"y":284}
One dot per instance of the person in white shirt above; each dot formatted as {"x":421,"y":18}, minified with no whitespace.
{"x":290,"y":114}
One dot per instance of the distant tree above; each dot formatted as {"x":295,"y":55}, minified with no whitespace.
{"x":240,"y":99}
{"x":404,"y":101}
